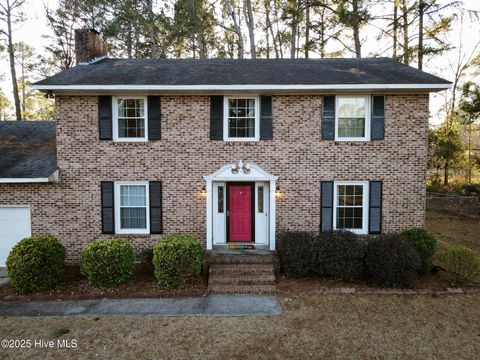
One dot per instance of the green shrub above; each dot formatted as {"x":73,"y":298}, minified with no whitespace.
{"x":462,"y":264}
{"x":425,"y":244}
{"x":36,"y":263}
{"x":296,"y":250}
{"x":391,"y":261}
{"x":108,"y":263}
{"x":177,"y":259}
{"x":340,"y":254}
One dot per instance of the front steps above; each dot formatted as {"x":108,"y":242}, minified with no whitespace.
{"x":233,"y":272}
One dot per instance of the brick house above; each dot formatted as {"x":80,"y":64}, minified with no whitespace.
{"x":233,"y":151}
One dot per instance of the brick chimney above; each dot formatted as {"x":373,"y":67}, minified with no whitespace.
{"x":89,"y":46}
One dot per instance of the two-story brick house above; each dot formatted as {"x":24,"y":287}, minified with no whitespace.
{"x":229,"y":150}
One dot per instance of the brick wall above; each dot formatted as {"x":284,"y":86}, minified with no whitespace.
{"x":71,"y":208}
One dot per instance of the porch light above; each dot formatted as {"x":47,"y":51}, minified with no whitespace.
{"x":277,"y":190}
{"x":204,"y":190}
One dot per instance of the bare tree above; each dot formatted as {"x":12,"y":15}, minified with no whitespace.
{"x":10,"y":13}
{"x":232,"y":9}
{"x":248,"y":13}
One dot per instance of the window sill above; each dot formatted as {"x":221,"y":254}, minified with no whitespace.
{"x":132,"y":232}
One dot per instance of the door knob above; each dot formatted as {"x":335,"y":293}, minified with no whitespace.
{"x":228,"y":213}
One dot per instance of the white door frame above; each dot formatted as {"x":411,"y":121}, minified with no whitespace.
{"x":240,"y":172}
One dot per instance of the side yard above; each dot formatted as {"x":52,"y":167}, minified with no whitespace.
{"x":452,"y":230}
{"x":311,"y":326}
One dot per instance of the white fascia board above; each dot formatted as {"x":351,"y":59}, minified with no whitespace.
{"x":329,"y":87}
{"x":51,"y":178}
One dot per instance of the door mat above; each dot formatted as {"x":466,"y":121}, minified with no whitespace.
{"x":241,"y":247}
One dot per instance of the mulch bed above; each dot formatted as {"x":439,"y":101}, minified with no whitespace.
{"x":76,"y":287}
{"x":437,"y":283}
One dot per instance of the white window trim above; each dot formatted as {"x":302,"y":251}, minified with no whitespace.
{"x":118,"y":230}
{"x":257,"y":118}
{"x":367,"y":118}
{"x":115,"y":119}
{"x":365,"y":203}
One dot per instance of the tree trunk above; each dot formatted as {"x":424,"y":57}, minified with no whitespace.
{"x":322,"y":33}
{"x":420,"y":33}
{"x":307,"y":29}
{"x":248,"y":13}
{"x":238,"y":29}
{"x":356,"y":32}
{"x":11,"y":56}
{"x":405,"y":32}
{"x":395,"y":28}
{"x":293,"y":37}
{"x":445,"y":175}
{"x":152,"y":30}
{"x":270,"y":27}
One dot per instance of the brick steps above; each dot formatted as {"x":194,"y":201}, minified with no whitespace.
{"x":250,"y":273}
{"x":242,"y":289}
{"x":241,"y":269}
{"x":242,"y":279}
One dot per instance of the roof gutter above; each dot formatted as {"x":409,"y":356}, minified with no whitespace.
{"x":267,"y":87}
{"x":52,"y":178}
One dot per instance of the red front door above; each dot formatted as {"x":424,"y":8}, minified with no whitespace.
{"x":240,"y":208}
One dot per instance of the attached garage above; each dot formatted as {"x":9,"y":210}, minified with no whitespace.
{"x":14,"y":226}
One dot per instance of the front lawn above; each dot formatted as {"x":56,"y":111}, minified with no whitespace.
{"x":311,"y":326}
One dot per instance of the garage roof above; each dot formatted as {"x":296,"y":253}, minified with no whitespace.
{"x":28,"y":151}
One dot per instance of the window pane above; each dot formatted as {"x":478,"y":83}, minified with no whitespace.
{"x":349,"y":211}
{"x":241,"y":118}
{"x":351,"y":127}
{"x":133,"y":218}
{"x":260,"y":199}
{"x":134,"y":128}
{"x":133,"y":195}
{"x":351,"y":107}
{"x":220,"y":199}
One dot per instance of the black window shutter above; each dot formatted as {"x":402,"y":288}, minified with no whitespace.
{"x":266,"y":127}
{"x":154,"y":118}
{"x":216,"y":117}
{"x":326,"y":222}
{"x":156,"y":226}
{"x":108,"y":216}
{"x":105,"y":117}
{"x":375,"y":208}
{"x":328,"y":118}
{"x":378,"y":117}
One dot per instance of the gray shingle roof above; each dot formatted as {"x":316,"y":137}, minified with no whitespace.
{"x":28,"y":149}
{"x":242,"y":72}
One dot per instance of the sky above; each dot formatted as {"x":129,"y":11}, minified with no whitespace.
{"x":36,"y":25}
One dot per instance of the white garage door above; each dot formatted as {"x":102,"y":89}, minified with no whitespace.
{"x":14,"y":226}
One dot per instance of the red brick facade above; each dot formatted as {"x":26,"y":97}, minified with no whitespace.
{"x":70,"y":209}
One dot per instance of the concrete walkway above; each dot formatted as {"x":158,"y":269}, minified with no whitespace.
{"x":212,"y":305}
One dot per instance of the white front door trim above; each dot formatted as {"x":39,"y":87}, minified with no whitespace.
{"x":240,"y":172}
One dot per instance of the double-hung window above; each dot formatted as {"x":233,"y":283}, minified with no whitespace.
{"x":352,"y":121}
{"x":241,"y":119}
{"x":130,"y":119}
{"x":351,"y":206}
{"x":131,"y":208}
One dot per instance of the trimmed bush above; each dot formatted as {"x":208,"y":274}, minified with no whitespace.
{"x":297,"y":252}
{"x":340,"y":254}
{"x":462,"y":264}
{"x":108,"y":263}
{"x":425,"y":244}
{"x":391,"y":261}
{"x":177,"y":259}
{"x":36,"y":264}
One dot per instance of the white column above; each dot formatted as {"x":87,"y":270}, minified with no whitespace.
{"x":272,"y":214}
{"x":209,"y":216}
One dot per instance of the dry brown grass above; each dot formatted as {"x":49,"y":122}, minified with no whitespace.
{"x":311,"y":326}
{"x":452,"y":230}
